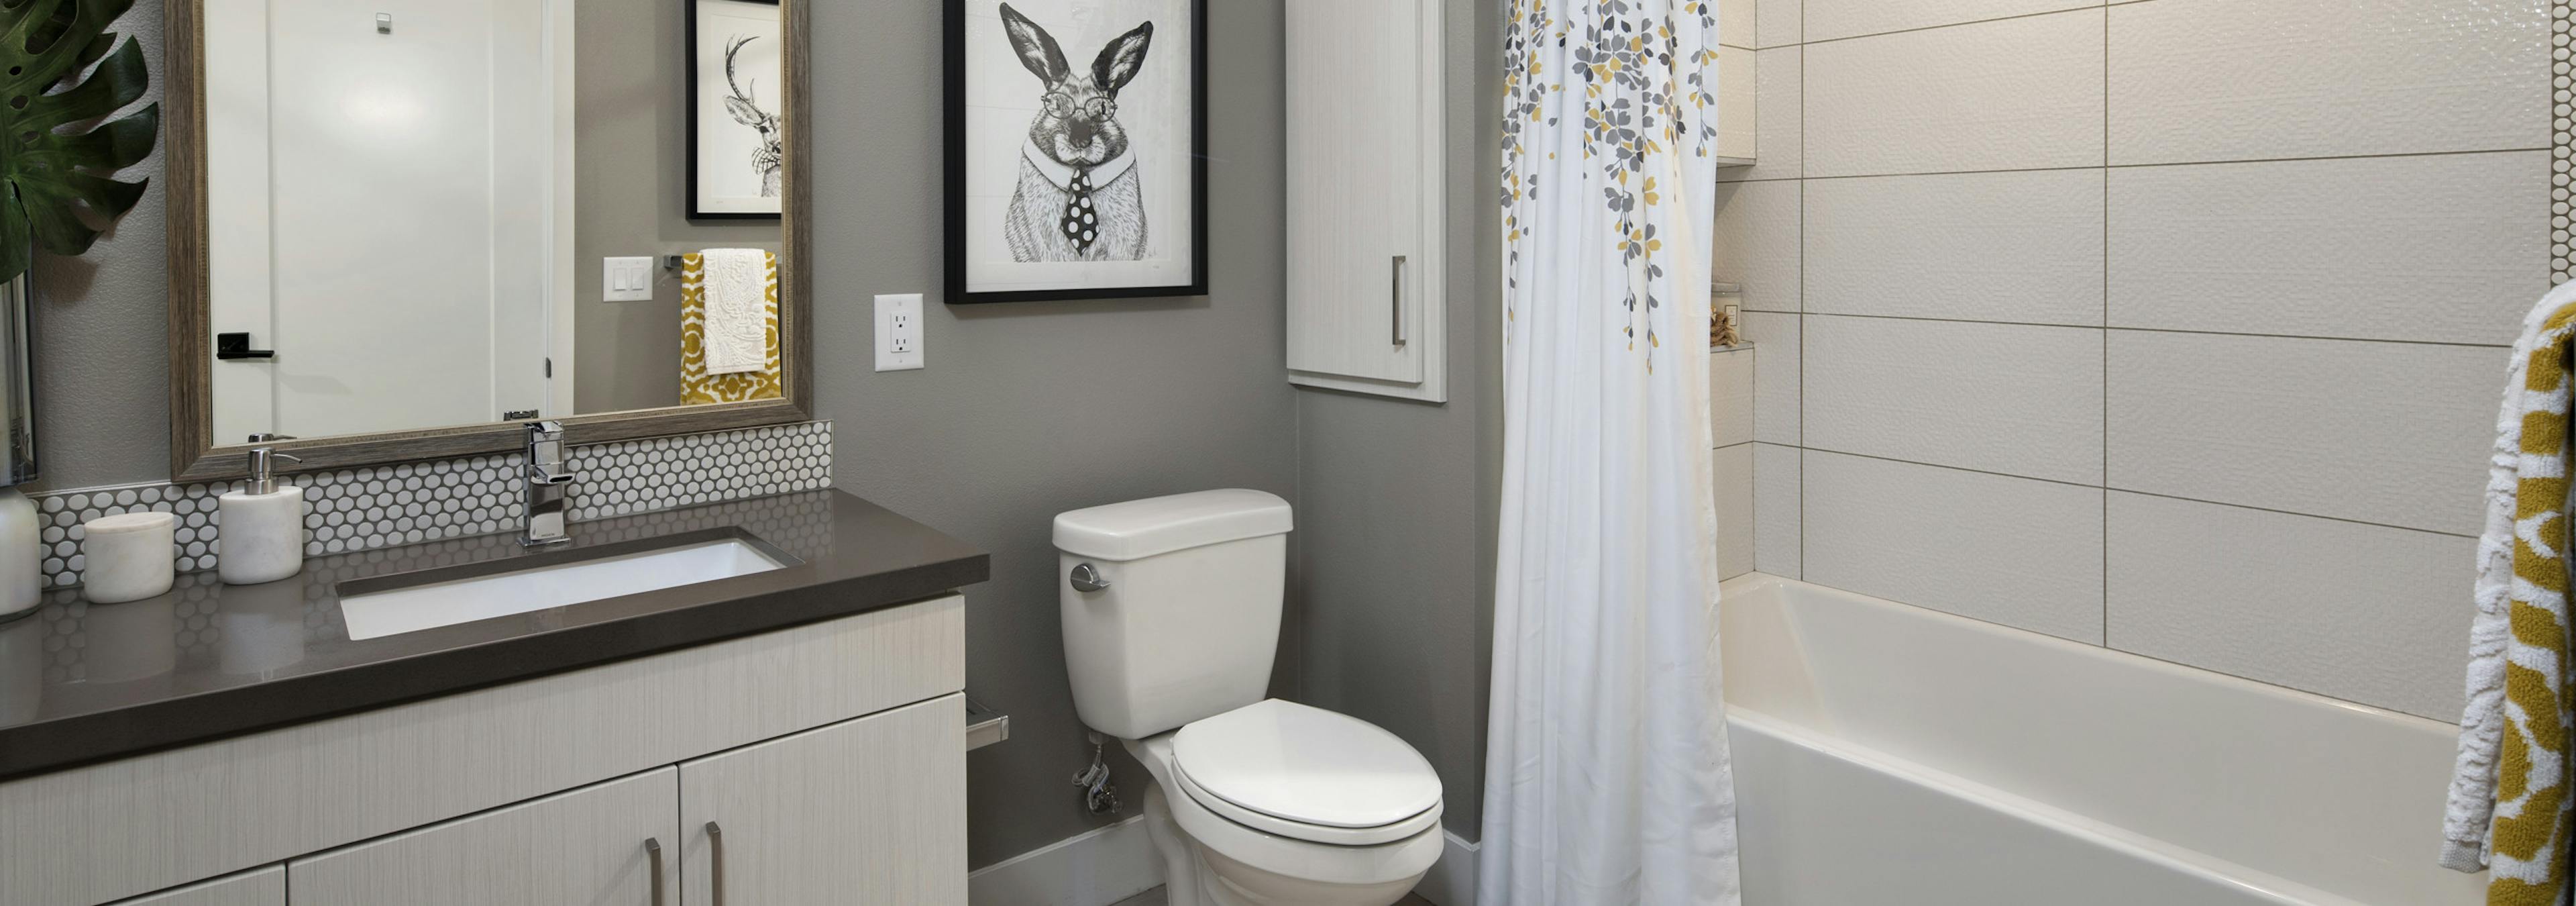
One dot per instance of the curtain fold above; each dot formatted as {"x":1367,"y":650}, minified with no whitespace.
{"x":1607,"y":779}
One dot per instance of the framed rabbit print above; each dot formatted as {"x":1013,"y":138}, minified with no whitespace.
{"x":736,"y":91}
{"x":1077,"y":149}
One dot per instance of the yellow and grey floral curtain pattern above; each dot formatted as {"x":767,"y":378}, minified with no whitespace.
{"x":1639,"y":79}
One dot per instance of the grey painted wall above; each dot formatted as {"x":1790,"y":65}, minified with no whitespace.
{"x":1397,"y":512}
{"x":102,"y":376}
{"x":630,"y":197}
{"x":1029,"y":410}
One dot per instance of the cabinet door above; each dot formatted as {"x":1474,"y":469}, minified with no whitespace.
{"x":866,"y":811}
{"x":257,"y":887}
{"x":1357,"y":113}
{"x":595,"y":846}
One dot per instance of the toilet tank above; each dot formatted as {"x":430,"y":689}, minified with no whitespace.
{"x":1188,"y":622}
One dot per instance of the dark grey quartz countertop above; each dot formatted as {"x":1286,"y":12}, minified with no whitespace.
{"x":82,"y":682}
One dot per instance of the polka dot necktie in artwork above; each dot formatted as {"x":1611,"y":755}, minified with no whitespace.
{"x":1081,"y":223}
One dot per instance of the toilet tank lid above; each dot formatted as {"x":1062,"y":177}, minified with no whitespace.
{"x":1143,"y":528}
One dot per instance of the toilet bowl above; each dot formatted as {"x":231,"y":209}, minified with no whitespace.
{"x":1287,"y":835}
{"x":1171,"y":612}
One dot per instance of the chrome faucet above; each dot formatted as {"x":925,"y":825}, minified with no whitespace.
{"x":547,"y":485}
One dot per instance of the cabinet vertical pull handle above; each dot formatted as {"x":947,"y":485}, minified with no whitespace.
{"x":1395,"y":300}
{"x":715,"y":850}
{"x":653,"y":848}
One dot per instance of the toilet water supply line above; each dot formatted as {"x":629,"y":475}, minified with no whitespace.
{"x":1098,"y":794}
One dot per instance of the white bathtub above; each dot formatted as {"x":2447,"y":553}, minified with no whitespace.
{"x":1886,"y":754}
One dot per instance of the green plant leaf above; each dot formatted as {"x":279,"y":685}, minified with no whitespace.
{"x":59,"y":151}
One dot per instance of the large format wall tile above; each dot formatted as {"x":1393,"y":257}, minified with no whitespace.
{"x":1730,"y":396}
{"x":1757,"y":242}
{"x":1830,"y":19}
{"x":1777,"y":508}
{"x":2447,"y":248}
{"x":1993,"y":397}
{"x":2015,"y":94}
{"x":2014,"y":551}
{"x":2391,"y":433}
{"x":1734,"y":476}
{"x":2023,"y":247}
{"x":1775,"y":337}
{"x":2200,"y":80}
{"x":2357,"y":612}
{"x":1779,"y":122}
{"x":1781,"y":23}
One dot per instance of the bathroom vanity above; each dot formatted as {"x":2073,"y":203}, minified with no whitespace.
{"x":791,"y":735}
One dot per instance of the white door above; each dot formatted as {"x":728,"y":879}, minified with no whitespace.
{"x":382,"y":200}
{"x":866,"y":811}
{"x":1356,"y":260}
{"x":595,"y":845}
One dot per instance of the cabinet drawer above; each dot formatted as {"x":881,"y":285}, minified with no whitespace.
{"x":869,"y":811}
{"x":596,"y":845}
{"x":258,"y":887}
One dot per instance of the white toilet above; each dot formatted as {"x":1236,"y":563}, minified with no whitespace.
{"x":1171,"y":613}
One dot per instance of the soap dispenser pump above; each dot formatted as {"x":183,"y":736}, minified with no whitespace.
{"x":261,"y":535}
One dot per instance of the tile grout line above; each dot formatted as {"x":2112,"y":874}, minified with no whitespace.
{"x":2128,"y":329}
{"x":1802,"y":285}
{"x":2106,"y":325}
{"x":2110,"y":488}
{"x":2244,"y":161}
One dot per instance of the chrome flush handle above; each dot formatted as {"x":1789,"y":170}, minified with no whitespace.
{"x":1087,"y":579}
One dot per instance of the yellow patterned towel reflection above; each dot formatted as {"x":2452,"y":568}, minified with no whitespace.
{"x":2509,"y":806}
{"x":698,"y":384}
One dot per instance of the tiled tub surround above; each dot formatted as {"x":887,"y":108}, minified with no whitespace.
{"x":2173,"y":326}
{"x":386,"y":506}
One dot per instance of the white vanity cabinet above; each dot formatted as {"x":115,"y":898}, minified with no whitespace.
{"x":599,"y":844}
{"x":264,"y":887}
{"x":832,"y":755}
{"x":869,"y":811}
{"x":1366,"y":294}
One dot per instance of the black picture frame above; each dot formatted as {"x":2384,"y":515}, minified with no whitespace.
{"x":689,"y":102}
{"x":955,"y":153}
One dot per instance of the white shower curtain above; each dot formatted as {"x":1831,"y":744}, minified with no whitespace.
{"x":1607,"y":779}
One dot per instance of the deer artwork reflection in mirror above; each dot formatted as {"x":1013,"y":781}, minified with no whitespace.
{"x":744,"y":104}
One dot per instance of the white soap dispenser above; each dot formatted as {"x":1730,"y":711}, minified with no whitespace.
{"x":261,"y":538}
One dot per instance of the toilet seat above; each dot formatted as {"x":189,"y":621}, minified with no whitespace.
{"x":1313,"y":833}
{"x":1306,"y":773}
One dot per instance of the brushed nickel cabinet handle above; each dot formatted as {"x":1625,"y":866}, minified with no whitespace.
{"x":1395,"y":300}
{"x":715,"y":850}
{"x":653,"y":848}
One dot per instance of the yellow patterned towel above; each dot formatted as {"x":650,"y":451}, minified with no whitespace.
{"x":2509,"y":805}
{"x":697,"y":387}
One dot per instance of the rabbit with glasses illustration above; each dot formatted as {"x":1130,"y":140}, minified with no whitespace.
{"x":1079,"y":197}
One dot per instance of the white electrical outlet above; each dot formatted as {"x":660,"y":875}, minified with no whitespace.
{"x":627,"y":279}
{"x":899,"y":332}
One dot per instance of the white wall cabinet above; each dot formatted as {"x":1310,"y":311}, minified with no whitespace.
{"x":1367,"y":294}
{"x":601,"y":844}
{"x":869,"y":811}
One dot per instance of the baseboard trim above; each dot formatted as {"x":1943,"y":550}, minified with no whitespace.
{"x":1452,"y":881}
{"x":1094,"y":868}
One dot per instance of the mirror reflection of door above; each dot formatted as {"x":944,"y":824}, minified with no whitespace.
{"x":384,"y":188}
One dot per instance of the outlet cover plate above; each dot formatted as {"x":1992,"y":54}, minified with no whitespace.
{"x":899,"y":332}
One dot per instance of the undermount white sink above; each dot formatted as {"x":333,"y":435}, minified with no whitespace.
{"x":395,"y":611}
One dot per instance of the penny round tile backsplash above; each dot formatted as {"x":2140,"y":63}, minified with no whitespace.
{"x":388,"y":506}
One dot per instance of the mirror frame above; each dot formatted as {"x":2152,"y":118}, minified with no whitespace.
{"x":197,"y":455}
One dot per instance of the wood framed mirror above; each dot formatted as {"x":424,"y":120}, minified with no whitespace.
{"x":328,"y":282}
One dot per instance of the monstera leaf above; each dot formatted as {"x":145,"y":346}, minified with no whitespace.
{"x":56,"y":159}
